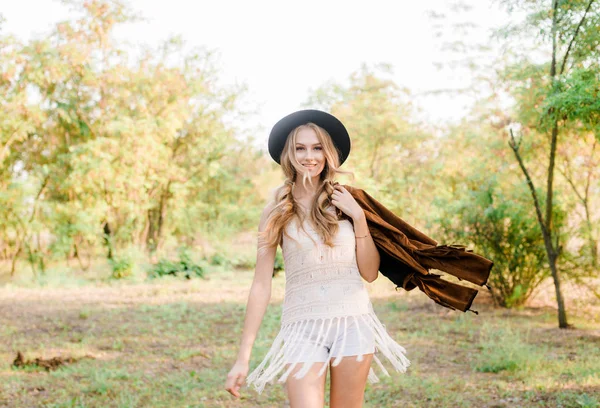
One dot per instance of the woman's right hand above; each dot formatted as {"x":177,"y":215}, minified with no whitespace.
{"x":236,"y":378}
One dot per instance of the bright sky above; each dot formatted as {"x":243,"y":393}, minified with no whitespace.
{"x":282,"y":50}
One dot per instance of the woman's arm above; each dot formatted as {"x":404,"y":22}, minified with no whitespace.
{"x":258,"y":300}
{"x":367,"y":256}
{"x":260,"y":294}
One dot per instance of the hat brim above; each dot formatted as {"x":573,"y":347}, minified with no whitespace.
{"x":330,"y":123}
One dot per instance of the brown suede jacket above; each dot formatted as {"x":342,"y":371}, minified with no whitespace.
{"x":407,"y":255}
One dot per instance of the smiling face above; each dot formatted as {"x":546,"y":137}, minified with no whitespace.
{"x":309,"y":156}
{"x":309,"y":151}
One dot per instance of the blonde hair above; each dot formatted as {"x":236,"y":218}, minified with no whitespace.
{"x":285,"y":206}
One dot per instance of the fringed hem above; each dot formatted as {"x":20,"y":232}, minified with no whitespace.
{"x":275,"y":360}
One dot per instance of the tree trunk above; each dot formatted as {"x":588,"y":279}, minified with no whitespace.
{"x":156,"y":220}
{"x":592,"y":242}
{"x":554,"y":253}
{"x":152,"y":237}
{"x":145,"y":233}
{"x":546,"y":225}
{"x":108,"y":240}
{"x":14,"y":260}
{"x":79,"y":260}
{"x":42,"y":263}
{"x":31,"y":259}
{"x":552,"y":257}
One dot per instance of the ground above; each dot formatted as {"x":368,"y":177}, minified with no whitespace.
{"x":171,"y":343}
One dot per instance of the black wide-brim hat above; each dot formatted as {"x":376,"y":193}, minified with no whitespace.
{"x":330,"y":123}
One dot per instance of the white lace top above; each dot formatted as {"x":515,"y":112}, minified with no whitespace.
{"x":323,"y":283}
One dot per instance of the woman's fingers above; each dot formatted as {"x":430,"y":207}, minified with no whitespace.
{"x":233,"y":385}
{"x":339,"y":192}
{"x":234,"y":391}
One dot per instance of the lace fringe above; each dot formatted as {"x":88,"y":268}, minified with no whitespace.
{"x":276,"y":361}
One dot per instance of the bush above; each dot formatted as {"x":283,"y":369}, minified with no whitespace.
{"x":121,"y":267}
{"x":219,"y":259}
{"x":184,"y":267}
{"x":501,"y":224}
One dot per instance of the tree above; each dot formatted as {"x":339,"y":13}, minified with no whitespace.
{"x":569,"y":28}
{"x":102,"y":150}
{"x":543,"y":63}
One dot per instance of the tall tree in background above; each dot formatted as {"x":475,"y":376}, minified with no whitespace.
{"x":570,"y":30}
{"x":537,"y":75}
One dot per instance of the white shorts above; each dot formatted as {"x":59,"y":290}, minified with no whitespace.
{"x":307,"y":347}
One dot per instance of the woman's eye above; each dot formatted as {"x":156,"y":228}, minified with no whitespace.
{"x":299,"y":148}
{"x":318,"y":148}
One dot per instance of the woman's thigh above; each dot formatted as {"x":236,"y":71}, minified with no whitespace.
{"x":308,"y":391}
{"x":348,"y":382}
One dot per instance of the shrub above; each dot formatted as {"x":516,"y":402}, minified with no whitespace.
{"x":501,"y":224}
{"x":219,"y":259}
{"x":184,"y":267}
{"x":121,"y":267}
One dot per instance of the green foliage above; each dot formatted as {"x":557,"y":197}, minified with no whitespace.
{"x":135,"y":148}
{"x":219,"y":259}
{"x":185,"y":267}
{"x":587,"y":401}
{"x":122,"y":267}
{"x":116,"y":150}
{"x":279,"y":264}
{"x":556,"y":96}
{"x":500,"y":223}
{"x":575,"y":100}
{"x":517,"y":297}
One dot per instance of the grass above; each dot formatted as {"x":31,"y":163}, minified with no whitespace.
{"x":170,"y":343}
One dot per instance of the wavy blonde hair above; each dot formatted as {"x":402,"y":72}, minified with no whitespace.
{"x":286,"y":208}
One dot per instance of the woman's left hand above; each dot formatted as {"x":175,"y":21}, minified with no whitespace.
{"x":343,"y":200}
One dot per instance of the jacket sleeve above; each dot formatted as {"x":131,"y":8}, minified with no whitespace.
{"x":407,"y":255}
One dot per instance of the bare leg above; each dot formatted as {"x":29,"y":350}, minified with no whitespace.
{"x":348,"y":382}
{"x":308,"y":391}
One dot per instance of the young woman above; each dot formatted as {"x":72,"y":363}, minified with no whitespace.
{"x":327,"y":318}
